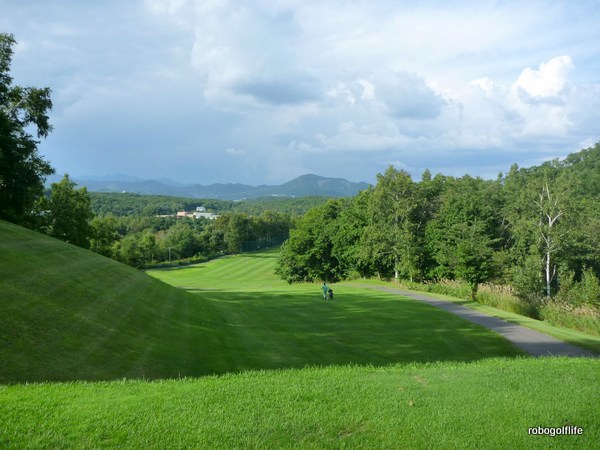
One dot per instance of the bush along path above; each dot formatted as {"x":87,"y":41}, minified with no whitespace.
{"x":531,"y":341}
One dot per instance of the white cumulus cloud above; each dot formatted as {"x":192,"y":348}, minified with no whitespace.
{"x":548,"y":83}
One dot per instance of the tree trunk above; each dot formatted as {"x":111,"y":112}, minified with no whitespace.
{"x":548,"y":275}
{"x":474,"y":287}
{"x":550,"y":214}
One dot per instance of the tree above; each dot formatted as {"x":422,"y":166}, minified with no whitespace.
{"x":69,"y":213}
{"x":466,"y":231}
{"x":308,"y":254}
{"x":238,"y":230}
{"x":348,"y":238}
{"x":129,"y":251}
{"x":473,"y":259}
{"x":429,"y":192}
{"x":391,"y":234}
{"x":22,"y":169}
{"x":180,"y":242}
{"x":104,"y":234}
{"x":538,"y":200}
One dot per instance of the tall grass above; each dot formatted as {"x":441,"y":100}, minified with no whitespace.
{"x":557,"y":311}
{"x":497,"y":296}
{"x":582,"y":317}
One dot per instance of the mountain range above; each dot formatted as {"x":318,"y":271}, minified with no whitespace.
{"x":302,"y":186}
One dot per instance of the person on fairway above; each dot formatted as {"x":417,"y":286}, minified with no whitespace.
{"x":325,"y":290}
{"x":330,"y":294}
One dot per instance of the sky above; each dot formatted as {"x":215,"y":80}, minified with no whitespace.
{"x":262,"y":91}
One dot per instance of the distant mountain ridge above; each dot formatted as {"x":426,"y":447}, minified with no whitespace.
{"x":302,"y":186}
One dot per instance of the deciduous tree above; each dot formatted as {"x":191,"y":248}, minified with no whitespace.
{"x":22,"y":169}
{"x":466,"y":231}
{"x":308,"y":254}
{"x":69,"y":213}
{"x":392,"y":233}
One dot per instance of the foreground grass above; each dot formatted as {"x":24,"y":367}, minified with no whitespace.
{"x":485,"y":404}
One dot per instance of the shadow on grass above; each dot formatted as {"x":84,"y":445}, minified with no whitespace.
{"x":291,"y":330}
{"x":533,"y":342}
{"x":210,"y":332}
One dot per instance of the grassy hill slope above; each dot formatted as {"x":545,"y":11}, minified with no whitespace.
{"x":67,"y":313}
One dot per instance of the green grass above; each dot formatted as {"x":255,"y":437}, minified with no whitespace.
{"x":487,"y":404}
{"x":369,"y":370}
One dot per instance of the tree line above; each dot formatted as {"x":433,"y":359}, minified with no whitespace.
{"x":130,"y":204}
{"x":536,"y":229}
{"x":66,"y":213}
{"x":142,"y":241}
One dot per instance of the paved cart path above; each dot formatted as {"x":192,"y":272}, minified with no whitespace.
{"x":531,"y":341}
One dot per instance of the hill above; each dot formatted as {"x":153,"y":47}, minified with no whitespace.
{"x":305,"y":185}
{"x":67,"y":313}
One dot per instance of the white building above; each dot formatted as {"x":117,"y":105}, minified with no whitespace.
{"x":199,"y":213}
{"x":205,"y":215}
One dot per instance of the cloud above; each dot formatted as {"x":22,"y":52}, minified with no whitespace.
{"x":546,"y":85}
{"x":366,"y":137}
{"x":263,"y":90}
{"x":245,"y":54}
{"x":544,"y":98}
{"x":303,"y":147}
{"x":542,"y":103}
{"x":397,"y":94}
{"x":406,"y":95}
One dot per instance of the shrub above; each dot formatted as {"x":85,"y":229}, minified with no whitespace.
{"x":584,"y":292}
{"x":495,"y":295}
{"x":527,"y":281}
{"x":589,"y":289}
{"x":504,"y":297}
